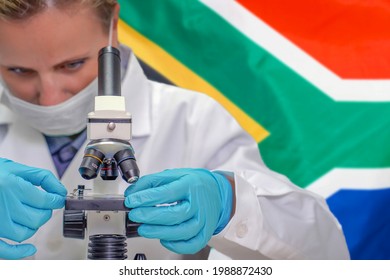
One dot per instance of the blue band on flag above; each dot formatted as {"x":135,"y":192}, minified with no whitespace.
{"x":365,"y":218}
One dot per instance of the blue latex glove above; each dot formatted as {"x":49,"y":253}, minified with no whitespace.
{"x":25,"y":207}
{"x":202,"y":205}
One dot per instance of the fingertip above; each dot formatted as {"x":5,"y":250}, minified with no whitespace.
{"x":29,"y":250}
{"x":142,"y":232}
{"x":57,"y":201}
{"x":128,"y":191}
{"x":133,"y":201}
{"x":16,"y":252}
{"x":133,"y":216}
{"x":59,"y":189}
{"x":170,"y":246}
{"x":62,"y":189}
{"x":128,"y":202}
{"x":51,"y":183}
{"x":135,"y":187}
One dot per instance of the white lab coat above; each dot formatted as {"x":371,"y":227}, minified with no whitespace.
{"x":175,"y":128}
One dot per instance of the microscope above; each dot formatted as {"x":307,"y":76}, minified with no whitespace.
{"x":107,"y":154}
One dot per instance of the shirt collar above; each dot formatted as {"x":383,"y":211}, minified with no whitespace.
{"x":56,"y":143}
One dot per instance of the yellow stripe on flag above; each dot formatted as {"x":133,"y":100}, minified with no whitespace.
{"x":183,"y":77}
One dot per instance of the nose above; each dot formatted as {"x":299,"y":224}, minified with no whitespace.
{"x":51,"y":91}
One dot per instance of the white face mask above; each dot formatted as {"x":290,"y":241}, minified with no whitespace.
{"x":66,"y":118}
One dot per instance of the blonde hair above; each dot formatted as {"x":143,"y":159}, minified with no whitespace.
{"x":23,"y":9}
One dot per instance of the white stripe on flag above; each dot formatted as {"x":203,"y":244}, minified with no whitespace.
{"x":351,"y":178}
{"x":272,"y":41}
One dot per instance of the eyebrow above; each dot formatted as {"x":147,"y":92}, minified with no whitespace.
{"x":85,"y":58}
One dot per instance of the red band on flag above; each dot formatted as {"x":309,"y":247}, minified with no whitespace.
{"x":351,"y":38}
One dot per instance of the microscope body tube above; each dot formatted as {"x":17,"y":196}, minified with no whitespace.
{"x":109,"y":76}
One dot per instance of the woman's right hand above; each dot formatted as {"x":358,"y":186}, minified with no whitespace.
{"x":24,"y":207}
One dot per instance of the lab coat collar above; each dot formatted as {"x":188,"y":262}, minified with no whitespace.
{"x":137,"y":90}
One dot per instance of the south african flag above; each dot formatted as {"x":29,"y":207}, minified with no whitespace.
{"x":309,"y":80}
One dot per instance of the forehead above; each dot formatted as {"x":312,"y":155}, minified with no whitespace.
{"x":50,"y":36}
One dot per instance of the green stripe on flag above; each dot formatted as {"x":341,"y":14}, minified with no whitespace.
{"x":310,"y":134}
{"x":158,"y":59}
{"x":183,"y":24}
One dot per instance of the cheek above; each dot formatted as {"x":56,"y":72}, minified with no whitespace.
{"x":75,"y":86}
{"x":24,"y":90}
{"x":74,"y":82}
{"x":80,"y":80}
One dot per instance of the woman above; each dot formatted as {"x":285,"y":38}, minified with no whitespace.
{"x":189,"y":149}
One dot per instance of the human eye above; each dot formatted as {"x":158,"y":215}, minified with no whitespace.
{"x":20,"y":71}
{"x":73,"y":65}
